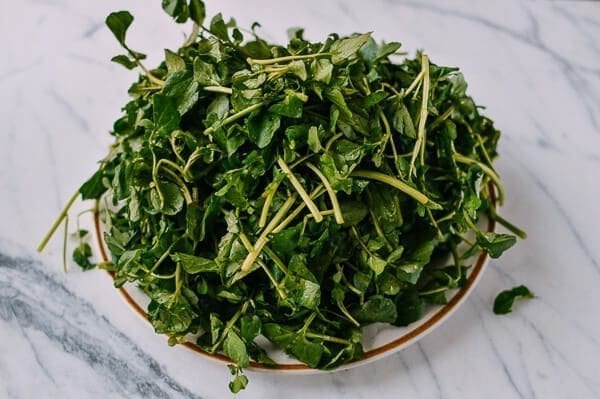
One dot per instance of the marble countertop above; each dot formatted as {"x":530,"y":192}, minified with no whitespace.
{"x":534,"y":65}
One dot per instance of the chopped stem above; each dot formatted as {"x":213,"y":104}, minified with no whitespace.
{"x":508,"y":225}
{"x":315,"y":194}
{"x":331,"y":141}
{"x":234,"y":117}
{"x":434,"y":291}
{"x":61,"y":216}
{"x":405,"y":188}
{"x":267,"y":205}
{"x":328,"y":338}
{"x":388,"y":135}
{"x":419,"y":148}
{"x":286,"y":58}
{"x":312,"y":207}
{"x":337,"y":211}
{"x":193,"y":36}
{"x":218,"y":89}
{"x":64,"y":251}
{"x":379,"y":231}
{"x":442,"y":117}
{"x":486,"y":169}
{"x":229,"y":325}
{"x":343,"y":309}
{"x":413,"y":84}
{"x":264,"y":236}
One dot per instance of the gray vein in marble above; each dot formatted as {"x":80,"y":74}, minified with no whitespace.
{"x":552,"y":350}
{"x":69,"y":109}
{"x":564,"y":12}
{"x":561,"y":211}
{"x":67,"y":322}
{"x":434,"y":375}
{"x":11,"y":73}
{"x":34,"y":350}
{"x":569,"y":68}
{"x":95,"y":27}
{"x":496,"y":352}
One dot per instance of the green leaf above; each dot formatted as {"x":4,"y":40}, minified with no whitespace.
{"x":197,"y":11}
{"x":239,"y":383}
{"x":321,"y":70}
{"x":124,"y":60}
{"x":165,"y":114}
{"x":178,"y":9}
{"x":118,"y":22}
{"x":375,"y":98}
{"x":167,"y":198}
{"x":195,"y":264}
{"x":336,"y":97}
{"x":377,"y":264}
{"x":262,"y":126}
{"x":235,"y":349}
{"x":174,"y":62}
{"x":387,"y":49}
{"x":376,"y":309}
{"x":344,"y":50}
{"x":495,"y":243}
{"x":205,"y":73}
{"x":291,"y":106}
{"x":410,"y":307}
{"x":306,"y":351}
{"x":82,"y":255}
{"x":182,"y":89}
{"x":250,"y":327}
{"x":313,"y":140}
{"x":93,"y":188}
{"x":504,"y":301}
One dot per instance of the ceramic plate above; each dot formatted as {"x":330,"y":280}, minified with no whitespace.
{"x":379,"y":340}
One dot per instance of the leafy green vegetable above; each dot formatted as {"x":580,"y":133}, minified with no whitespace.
{"x":504,"y":301}
{"x":298,"y":191}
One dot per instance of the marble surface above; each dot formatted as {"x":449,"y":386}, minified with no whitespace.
{"x":535,"y":65}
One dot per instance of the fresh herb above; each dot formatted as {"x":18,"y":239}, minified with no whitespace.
{"x":297,"y":192}
{"x":504,"y":301}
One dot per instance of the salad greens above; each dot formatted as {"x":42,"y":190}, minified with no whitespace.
{"x":504,"y":301}
{"x":297,"y":192}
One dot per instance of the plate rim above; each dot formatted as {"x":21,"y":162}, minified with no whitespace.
{"x":434,"y":321}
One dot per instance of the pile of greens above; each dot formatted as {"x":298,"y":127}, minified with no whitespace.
{"x":297,"y":192}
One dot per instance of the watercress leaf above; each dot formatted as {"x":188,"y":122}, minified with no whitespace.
{"x":504,"y":301}
{"x":165,"y":114}
{"x":124,"y":60}
{"x":409,"y":306}
{"x":291,"y":106}
{"x":197,"y":11}
{"x":495,"y":243}
{"x":376,"y":309}
{"x":118,"y":22}
{"x":344,"y":50}
{"x":239,"y":383}
{"x":250,"y":327}
{"x":167,"y":198}
{"x":262,"y":126}
{"x":82,"y":255}
{"x":93,"y":188}
{"x":387,"y":49}
{"x":195,"y":264}
{"x":235,"y":349}
{"x":174,"y":62}
{"x":321,"y":70}
{"x":306,"y":351}
{"x":377,"y":264}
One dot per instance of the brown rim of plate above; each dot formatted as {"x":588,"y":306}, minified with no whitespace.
{"x":438,"y":316}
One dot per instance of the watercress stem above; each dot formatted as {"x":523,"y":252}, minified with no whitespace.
{"x":61,"y":216}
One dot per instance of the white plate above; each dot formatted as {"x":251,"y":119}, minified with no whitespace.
{"x":379,"y":340}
